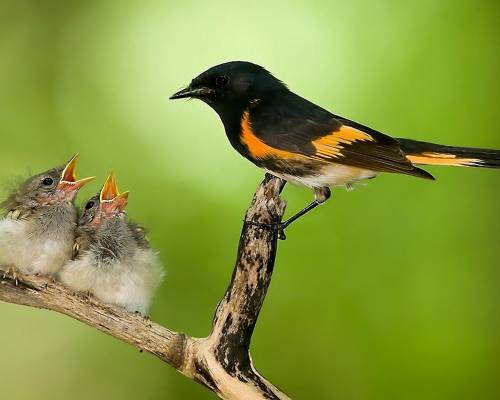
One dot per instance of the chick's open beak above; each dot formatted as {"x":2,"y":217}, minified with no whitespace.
{"x":110,"y":189}
{"x":111,"y":199}
{"x":68,"y":181}
{"x":120,"y":202}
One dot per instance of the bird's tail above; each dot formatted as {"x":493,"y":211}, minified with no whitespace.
{"x":422,"y":153}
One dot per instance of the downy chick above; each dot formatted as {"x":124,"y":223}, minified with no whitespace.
{"x":112,"y":258}
{"x":37,"y":234}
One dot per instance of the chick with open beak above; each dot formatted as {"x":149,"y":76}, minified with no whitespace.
{"x":38,"y":230}
{"x":112,"y":257}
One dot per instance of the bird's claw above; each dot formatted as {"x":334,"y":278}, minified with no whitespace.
{"x":278,"y":227}
{"x":50,"y":278}
{"x":76,"y":250}
{"x":281,"y":232}
{"x":11,"y":273}
{"x":14,"y":214}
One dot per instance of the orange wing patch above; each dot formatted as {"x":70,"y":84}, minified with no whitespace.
{"x":429,"y":158}
{"x":256,"y":147}
{"x":331,"y":145}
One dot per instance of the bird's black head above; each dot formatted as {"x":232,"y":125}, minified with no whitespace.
{"x":233,"y":84}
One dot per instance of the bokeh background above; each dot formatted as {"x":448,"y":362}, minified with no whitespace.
{"x":391,"y":291}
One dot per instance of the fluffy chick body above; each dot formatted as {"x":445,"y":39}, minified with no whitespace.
{"x":37,"y":234}
{"x":114,"y":263}
{"x":39,"y":243}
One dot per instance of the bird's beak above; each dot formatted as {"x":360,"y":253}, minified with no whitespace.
{"x":120,"y":202}
{"x":192,"y":92}
{"x":111,"y":199}
{"x":110,"y":190}
{"x":68,"y":180}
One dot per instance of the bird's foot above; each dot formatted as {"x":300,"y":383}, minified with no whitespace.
{"x":11,"y":272}
{"x":274,"y":227}
{"x":50,"y":277}
{"x":282,"y":227}
{"x":281,"y":232}
{"x":85,"y":295}
{"x":14,"y":214}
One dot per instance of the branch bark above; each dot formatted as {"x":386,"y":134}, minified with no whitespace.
{"x":221,"y":361}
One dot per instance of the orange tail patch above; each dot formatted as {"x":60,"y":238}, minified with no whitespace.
{"x":429,"y":158}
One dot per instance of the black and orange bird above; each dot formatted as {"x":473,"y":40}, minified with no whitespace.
{"x":304,"y":144}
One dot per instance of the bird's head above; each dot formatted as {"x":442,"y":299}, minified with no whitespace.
{"x":233,"y":84}
{"x":55,"y":186}
{"x":109,"y":203}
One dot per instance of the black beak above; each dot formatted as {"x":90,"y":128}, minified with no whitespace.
{"x":191,"y":92}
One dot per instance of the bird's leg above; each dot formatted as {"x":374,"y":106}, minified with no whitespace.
{"x":11,"y":271}
{"x":48,"y":276}
{"x":321,"y":195}
{"x":270,"y":226}
{"x":13,"y":214}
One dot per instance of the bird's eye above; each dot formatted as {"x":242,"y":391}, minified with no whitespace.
{"x":221,"y":81}
{"x":89,"y":205}
{"x":48,"y":181}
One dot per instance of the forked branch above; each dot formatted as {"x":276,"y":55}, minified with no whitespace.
{"x":221,"y":361}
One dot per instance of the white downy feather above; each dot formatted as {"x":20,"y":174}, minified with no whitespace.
{"x":129,"y":284}
{"x":30,"y":254}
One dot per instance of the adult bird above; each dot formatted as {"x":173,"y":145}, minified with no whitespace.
{"x":37,"y":233}
{"x":296,"y":140}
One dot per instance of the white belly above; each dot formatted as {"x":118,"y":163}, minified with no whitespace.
{"x":129,"y":284}
{"x":30,"y":255}
{"x":331,"y":175}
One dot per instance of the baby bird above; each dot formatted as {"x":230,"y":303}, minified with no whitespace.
{"x":112,"y":257}
{"x":37,"y":234}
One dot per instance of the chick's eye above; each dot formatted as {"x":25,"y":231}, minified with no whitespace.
{"x":48,"y":181}
{"x":221,"y":81}
{"x":89,"y":205}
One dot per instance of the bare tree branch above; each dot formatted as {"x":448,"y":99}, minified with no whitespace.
{"x":221,"y":361}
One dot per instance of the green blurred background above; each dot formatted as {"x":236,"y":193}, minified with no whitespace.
{"x":391,"y":291}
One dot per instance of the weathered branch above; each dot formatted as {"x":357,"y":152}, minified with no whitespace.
{"x":220,"y":361}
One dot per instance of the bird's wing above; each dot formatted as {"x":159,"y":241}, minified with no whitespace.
{"x":291,"y":126}
{"x":139,"y":233}
{"x":19,"y":213}
{"x":82,"y":242}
